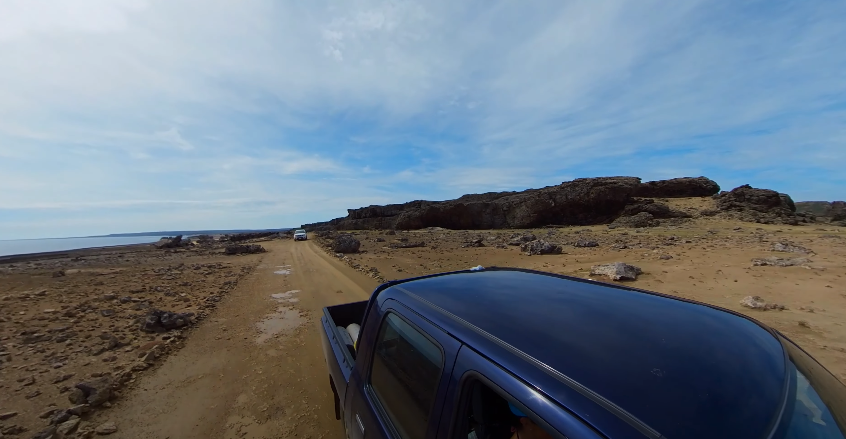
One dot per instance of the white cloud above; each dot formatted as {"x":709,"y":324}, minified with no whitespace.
{"x":110,"y":100}
{"x":172,"y":137}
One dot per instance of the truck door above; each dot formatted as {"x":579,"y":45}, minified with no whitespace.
{"x":478,"y":398}
{"x":399,"y":392}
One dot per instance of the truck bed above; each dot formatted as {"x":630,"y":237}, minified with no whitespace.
{"x":339,"y":358}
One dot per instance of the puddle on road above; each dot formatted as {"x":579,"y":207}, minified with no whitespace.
{"x":286,"y":296}
{"x":283,"y":269}
{"x":282,"y":321}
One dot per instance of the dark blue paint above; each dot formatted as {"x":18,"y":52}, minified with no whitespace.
{"x":684,"y":369}
{"x":659,"y":365}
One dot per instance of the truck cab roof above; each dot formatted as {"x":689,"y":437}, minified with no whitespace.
{"x":666,"y":366}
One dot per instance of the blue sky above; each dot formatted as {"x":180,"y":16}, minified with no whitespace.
{"x":138,"y":115}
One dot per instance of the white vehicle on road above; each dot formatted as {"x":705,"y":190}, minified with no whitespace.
{"x":300,"y":235}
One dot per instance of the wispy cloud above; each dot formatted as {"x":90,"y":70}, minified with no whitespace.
{"x":155,"y":115}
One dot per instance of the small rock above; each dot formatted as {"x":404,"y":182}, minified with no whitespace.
{"x":586,"y":243}
{"x":804,"y":324}
{"x":80,"y":409}
{"x":60,"y":417}
{"x":12,"y":430}
{"x":49,"y":412}
{"x":97,"y":391}
{"x":67,"y":427}
{"x":47,"y":433}
{"x":540,"y":247}
{"x":521,"y":238}
{"x":756,"y":302}
{"x":665,"y":257}
{"x":77,"y":396}
{"x":779,"y":262}
{"x":616,"y":271}
{"x":150,"y":357}
{"x":7,"y":415}
{"x":107,"y":312}
{"x":788,"y":247}
{"x":33,"y":394}
{"x":106,"y":428}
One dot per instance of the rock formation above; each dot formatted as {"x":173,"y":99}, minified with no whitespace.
{"x":757,"y":205}
{"x":678,"y":188}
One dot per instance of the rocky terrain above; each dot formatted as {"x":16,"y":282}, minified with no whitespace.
{"x":77,"y":329}
{"x":788,"y":276}
{"x":834,"y":211}
{"x":624,"y":201}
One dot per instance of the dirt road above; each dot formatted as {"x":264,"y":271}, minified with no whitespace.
{"x":255,"y":369}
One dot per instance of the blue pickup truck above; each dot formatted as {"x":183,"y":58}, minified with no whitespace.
{"x":516,"y":354}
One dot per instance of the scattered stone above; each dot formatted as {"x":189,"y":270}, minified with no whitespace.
{"x":60,"y":273}
{"x":79,"y":409}
{"x":403,"y":244}
{"x":7,"y":415}
{"x":161,"y":321}
{"x":616,"y":271}
{"x":586,"y":243}
{"x":106,"y":428}
{"x":49,"y":412}
{"x":77,"y":396}
{"x":521,"y":238}
{"x":346,"y":243}
{"x":756,"y":302}
{"x":540,"y":247}
{"x":33,"y":394}
{"x":66,"y":428}
{"x":107,"y":312}
{"x":97,"y":391}
{"x":59,"y":417}
{"x":243,"y":249}
{"x":12,"y":430}
{"x":478,"y":242}
{"x":779,"y":262}
{"x":788,"y":247}
{"x":665,"y":257}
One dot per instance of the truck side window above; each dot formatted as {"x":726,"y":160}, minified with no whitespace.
{"x":404,"y":376}
{"x":487,"y":415}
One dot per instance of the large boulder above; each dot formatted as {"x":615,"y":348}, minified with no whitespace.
{"x":346,"y":243}
{"x":757,"y":205}
{"x":678,"y":188}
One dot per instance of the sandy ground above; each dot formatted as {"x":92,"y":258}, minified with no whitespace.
{"x":253,"y":367}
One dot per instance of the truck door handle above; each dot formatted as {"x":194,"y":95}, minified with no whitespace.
{"x":360,"y":424}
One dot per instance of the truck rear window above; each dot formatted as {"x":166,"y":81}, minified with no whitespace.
{"x":404,"y":376}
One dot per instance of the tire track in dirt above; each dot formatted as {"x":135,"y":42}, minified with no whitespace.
{"x":233,"y":381}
